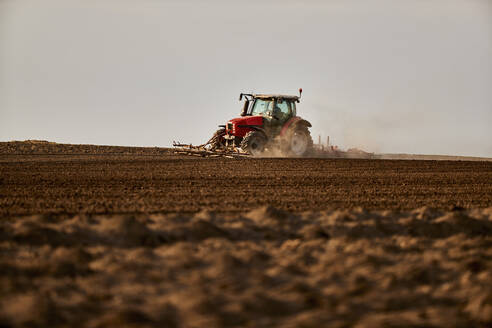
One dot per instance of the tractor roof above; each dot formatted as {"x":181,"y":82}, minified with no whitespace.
{"x":263,"y":96}
{"x":270,"y":96}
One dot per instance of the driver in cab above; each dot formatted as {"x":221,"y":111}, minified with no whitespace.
{"x":278,"y":113}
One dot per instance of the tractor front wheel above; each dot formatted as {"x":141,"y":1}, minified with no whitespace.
{"x":254,"y":143}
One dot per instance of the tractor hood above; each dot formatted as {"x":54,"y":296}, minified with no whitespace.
{"x":242,"y":125}
{"x":248,"y":120}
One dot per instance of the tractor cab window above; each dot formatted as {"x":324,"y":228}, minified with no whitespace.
{"x":262,"y":107}
{"x":292,"y":105}
{"x":282,"y":110}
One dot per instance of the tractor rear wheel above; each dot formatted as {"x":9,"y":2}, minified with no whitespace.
{"x":217,"y":140}
{"x":254,"y":143}
{"x":299,"y":142}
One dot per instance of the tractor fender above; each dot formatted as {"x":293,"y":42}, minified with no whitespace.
{"x":255,"y":128}
{"x":260,"y":129}
{"x":293,"y":123}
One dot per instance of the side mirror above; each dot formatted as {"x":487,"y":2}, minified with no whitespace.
{"x":244,"y":111}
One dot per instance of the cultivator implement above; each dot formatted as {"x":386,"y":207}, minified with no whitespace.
{"x":206,"y":150}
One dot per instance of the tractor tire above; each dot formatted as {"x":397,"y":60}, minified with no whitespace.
{"x":254,"y":143}
{"x":299,"y":142}
{"x":217,"y":140}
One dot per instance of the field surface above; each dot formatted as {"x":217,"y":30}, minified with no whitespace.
{"x":119,"y":236}
{"x":155,"y":181}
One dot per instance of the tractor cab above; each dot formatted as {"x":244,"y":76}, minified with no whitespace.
{"x":277,"y":107}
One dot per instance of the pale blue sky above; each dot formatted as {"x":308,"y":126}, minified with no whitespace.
{"x":385,"y":76}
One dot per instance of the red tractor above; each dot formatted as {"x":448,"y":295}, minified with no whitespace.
{"x":267,"y":123}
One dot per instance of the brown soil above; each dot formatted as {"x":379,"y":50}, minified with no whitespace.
{"x":140,"y":237}
{"x":143,"y":182}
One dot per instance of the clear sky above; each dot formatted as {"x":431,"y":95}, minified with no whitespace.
{"x":385,"y":76}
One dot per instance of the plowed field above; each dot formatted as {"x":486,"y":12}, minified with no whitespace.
{"x":111,"y":237}
{"x":70,"y":184}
